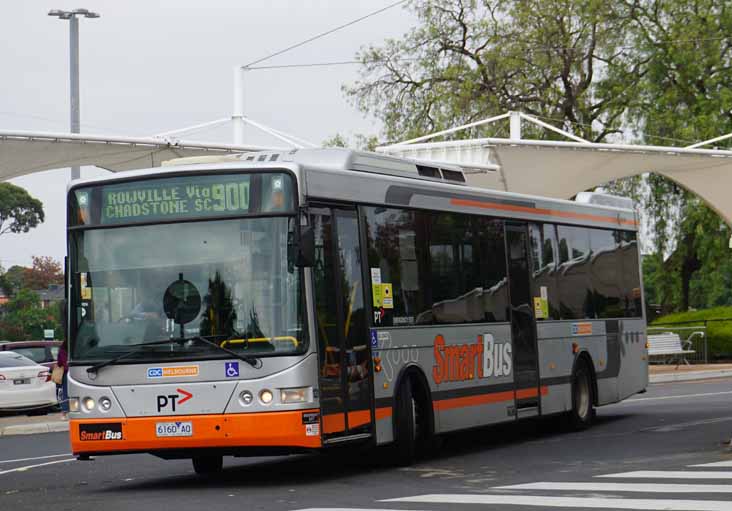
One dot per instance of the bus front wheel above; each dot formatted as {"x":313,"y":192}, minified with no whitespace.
{"x":205,"y":465}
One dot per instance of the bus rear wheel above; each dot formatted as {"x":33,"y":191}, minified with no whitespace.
{"x":205,"y":465}
{"x":583,"y":411}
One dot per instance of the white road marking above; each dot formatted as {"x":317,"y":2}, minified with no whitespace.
{"x":659,"y":398}
{"x":28,"y":467}
{"x":671,"y":474}
{"x":668,"y":428}
{"x":573,"y":502}
{"x":37,"y":458}
{"x":719,"y":464}
{"x":623,"y":487}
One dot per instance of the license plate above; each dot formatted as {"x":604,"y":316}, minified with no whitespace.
{"x":21,"y":381}
{"x":174,"y":429}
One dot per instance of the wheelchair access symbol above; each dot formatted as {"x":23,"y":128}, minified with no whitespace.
{"x":232,"y":369}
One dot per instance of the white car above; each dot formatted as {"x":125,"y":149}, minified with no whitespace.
{"x":24,"y":384}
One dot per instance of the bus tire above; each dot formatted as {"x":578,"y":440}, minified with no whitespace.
{"x":412,"y":422}
{"x":206,"y":465}
{"x":583,"y":411}
{"x":405,"y":437}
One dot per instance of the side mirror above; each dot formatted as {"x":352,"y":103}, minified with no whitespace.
{"x":306,"y":247}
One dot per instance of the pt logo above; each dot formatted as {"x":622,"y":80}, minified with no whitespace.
{"x":173,"y":399}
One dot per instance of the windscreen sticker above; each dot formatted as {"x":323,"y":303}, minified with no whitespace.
{"x":386,"y":296}
{"x":376,"y":275}
{"x":581,"y":328}
{"x":172,"y":372}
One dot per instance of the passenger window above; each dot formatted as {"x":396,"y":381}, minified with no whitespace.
{"x":575,"y":290}
{"x":443,"y":267}
{"x":544,"y":256}
{"x":632,"y":301}
{"x":605,"y":273}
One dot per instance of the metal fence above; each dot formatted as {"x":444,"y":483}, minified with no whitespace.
{"x":692,"y":338}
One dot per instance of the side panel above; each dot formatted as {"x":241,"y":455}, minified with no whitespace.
{"x":469,"y":369}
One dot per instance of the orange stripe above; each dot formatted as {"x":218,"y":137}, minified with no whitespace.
{"x":540,"y":211}
{"x":383,"y":413}
{"x":484,"y":399}
{"x":230,"y":430}
{"x":334,"y":423}
{"x":359,"y":418}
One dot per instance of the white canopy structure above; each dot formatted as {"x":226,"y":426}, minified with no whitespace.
{"x":23,"y":153}
{"x":561,"y":169}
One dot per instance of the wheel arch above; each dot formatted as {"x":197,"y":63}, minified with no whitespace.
{"x":415,"y":373}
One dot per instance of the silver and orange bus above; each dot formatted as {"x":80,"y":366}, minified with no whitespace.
{"x":283,"y":302}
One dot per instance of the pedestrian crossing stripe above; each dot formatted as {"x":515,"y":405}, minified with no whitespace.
{"x":622,"y":487}
{"x":671,"y":474}
{"x":717,"y":464}
{"x":569,"y":502}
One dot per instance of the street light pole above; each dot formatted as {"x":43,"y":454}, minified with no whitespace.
{"x":73,"y":17}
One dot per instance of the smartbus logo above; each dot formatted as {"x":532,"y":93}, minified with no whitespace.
{"x":172,"y":372}
{"x":482,"y":359}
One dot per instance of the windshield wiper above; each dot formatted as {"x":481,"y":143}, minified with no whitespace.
{"x":254,"y":362}
{"x":92,"y":370}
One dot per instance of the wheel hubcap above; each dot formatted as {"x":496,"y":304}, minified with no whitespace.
{"x":583,"y":397}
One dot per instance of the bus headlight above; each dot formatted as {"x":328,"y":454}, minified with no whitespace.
{"x":266,"y":396}
{"x":73,"y":404}
{"x":88,"y":403}
{"x":105,"y":403}
{"x":298,"y":395}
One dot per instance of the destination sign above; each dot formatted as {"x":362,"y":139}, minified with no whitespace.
{"x":197,"y":196}
{"x":219,"y":195}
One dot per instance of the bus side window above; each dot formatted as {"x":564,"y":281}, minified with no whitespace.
{"x":575,"y":288}
{"x":544,"y":261}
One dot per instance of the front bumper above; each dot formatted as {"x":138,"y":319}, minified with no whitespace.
{"x":288,"y":429}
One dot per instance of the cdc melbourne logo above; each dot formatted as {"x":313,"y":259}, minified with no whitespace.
{"x":154,"y":372}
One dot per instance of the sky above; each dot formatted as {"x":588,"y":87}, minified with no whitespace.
{"x":151,"y":67}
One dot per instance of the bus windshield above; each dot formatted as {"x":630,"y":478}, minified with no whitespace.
{"x":241,"y":291}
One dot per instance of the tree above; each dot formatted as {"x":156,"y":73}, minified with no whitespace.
{"x":684,"y":96}
{"x":13,"y":279}
{"x":45,"y":271}
{"x":19,"y":212}
{"x":25,"y":319}
{"x":562,"y":61}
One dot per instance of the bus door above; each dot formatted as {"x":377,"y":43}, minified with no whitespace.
{"x":523,"y":326}
{"x":343,"y":349}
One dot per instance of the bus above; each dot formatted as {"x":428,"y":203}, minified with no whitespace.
{"x":287,"y":302}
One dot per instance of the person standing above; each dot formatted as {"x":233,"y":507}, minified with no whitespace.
{"x":62,"y":389}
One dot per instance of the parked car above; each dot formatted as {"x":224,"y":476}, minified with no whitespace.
{"x":41,"y":352}
{"x":24,"y":384}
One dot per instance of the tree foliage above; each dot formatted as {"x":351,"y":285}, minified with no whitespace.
{"x":19,"y":212}
{"x":13,"y":279}
{"x":24,"y":318}
{"x":44,"y":272}
{"x":562,"y":61}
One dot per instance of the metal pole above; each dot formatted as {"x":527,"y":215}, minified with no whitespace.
{"x":74,"y":79}
{"x":515,"y":126}
{"x":237,"y":117}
